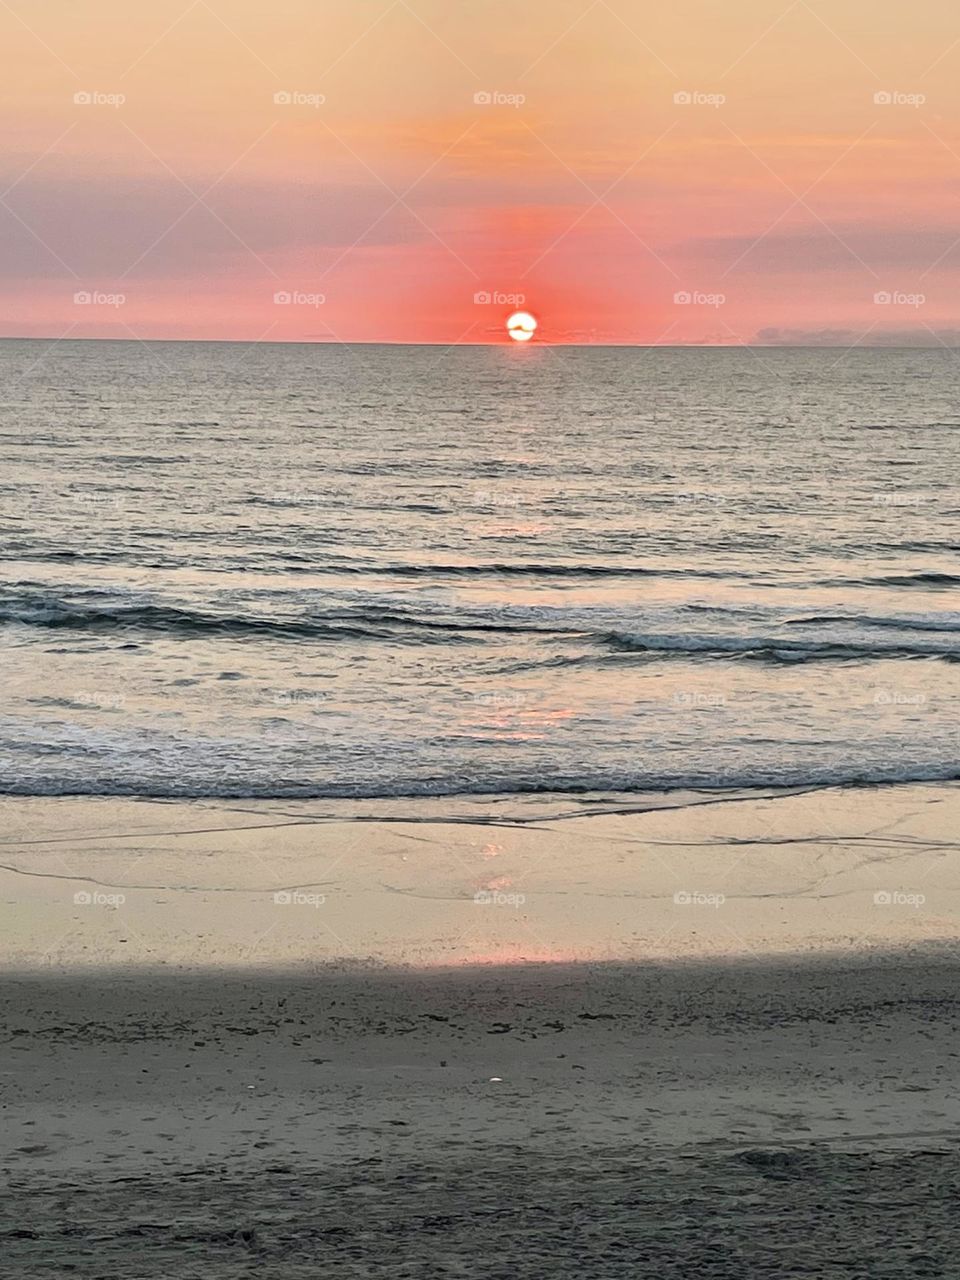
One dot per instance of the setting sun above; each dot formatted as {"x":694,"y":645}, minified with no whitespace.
{"x":521,"y":326}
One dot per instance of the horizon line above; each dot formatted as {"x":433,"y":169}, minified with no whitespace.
{"x":503,"y":346}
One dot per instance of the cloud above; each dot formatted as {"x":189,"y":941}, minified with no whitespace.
{"x":820,"y":249}
{"x":101,"y":228}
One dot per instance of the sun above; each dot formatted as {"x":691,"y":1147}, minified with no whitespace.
{"x":521,"y":326}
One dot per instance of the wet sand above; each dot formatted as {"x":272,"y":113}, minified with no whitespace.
{"x":651,"y":1091}
{"x":192,"y":885}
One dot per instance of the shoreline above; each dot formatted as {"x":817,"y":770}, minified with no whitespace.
{"x":622,"y":800}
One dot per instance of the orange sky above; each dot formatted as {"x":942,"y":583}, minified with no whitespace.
{"x":776,"y":200}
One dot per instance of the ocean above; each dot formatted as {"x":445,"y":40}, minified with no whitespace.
{"x":388,"y":571}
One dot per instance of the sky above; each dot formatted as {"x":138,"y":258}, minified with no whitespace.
{"x":415,"y":170}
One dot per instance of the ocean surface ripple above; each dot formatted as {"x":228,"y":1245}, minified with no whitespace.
{"x":392,"y":571}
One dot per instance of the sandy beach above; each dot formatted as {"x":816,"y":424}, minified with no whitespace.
{"x":733,"y":1049}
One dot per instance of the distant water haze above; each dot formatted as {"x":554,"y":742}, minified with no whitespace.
{"x":384,"y":571}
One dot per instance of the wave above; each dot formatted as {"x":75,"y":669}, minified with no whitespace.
{"x":775,"y":648}
{"x":757,"y":637}
{"x":897,"y":622}
{"x":85,"y":614}
{"x":925,"y":579}
{"x":525,"y":570}
{"x":721,"y":782}
{"x":268,"y":557}
{"x":173,"y":621}
{"x":294,"y":563}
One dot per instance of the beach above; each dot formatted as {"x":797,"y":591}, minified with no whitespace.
{"x":686,"y":1050}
